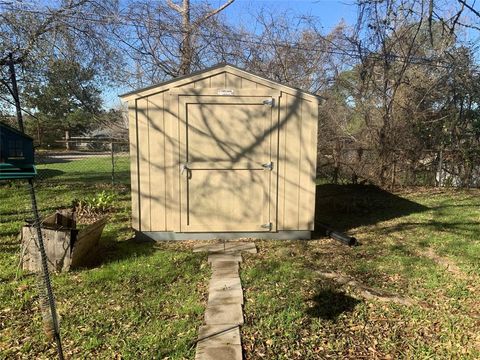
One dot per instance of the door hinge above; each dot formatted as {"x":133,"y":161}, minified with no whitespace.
{"x":269,"y":102}
{"x":267,"y":226}
{"x":268,"y":166}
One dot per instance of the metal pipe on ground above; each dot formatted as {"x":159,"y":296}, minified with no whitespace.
{"x":339,"y":236}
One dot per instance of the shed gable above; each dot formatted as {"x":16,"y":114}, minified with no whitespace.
{"x":224,"y":79}
{"x":221,"y":76}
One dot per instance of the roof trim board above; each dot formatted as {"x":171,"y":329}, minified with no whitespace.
{"x":14,"y":130}
{"x":217,"y":69}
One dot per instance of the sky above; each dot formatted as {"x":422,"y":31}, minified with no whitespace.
{"x":329,"y":13}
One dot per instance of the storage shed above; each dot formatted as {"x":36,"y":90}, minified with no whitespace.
{"x":222,"y":153}
{"x":16,"y":154}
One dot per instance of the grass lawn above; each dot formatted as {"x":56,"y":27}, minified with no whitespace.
{"x":147,"y":301}
{"x":294,"y":313}
{"x":94,"y":170}
{"x":141,"y":301}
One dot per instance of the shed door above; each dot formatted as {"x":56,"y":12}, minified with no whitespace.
{"x":228,"y":163}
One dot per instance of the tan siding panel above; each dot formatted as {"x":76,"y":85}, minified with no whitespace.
{"x":291,"y":129}
{"x":157,"y":165}
{"x":309,"y":161}
{"x":172,"y":163}
{"x":188,"y":85}
{"x":233,"y":81}
{"x":274,"y":127}
{"x":132,"y":130}
{"x":170,"y":140}
{"x":281,"y":162}
{"x":248,"y":84}
{"x":218,"y":81}
{"x":144,"y":163}
{"x":204,"y":83}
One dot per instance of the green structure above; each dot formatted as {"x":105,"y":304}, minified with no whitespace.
{"x":16,"y":154}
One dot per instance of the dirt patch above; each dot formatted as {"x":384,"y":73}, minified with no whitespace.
{"x":448,"y":264}
{"x":364,"y":291}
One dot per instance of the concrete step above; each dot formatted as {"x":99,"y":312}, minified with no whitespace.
{"x":209,"y":335}
{"x":224,"y":291}
{"x":225,"y":297}
{"x":227,"y":247}
{"x":224,"y":314}
{"x":225,"y":271}
{"x":219,"y":352}
{"x":220,"y":283}
{"x":224,"y":257}
{"x":224,"y":265}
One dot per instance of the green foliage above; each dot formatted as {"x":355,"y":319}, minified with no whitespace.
{"x":67,"y":99}
{"x":95,"y":205}
{"x":100,"y":202}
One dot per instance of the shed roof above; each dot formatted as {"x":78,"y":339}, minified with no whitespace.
{"x":15,"y":131}
{"x":149,"y":90}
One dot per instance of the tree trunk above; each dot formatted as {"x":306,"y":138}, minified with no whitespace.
{"x":16,"y":96}
{"x":394,"y":173}
{"x":39,"y":134}
{"x":186,"y":46}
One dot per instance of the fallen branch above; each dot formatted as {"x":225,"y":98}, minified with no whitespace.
{"x":364,"y":291}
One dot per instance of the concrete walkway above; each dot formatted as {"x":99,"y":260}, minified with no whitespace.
{"x":219,"y":338}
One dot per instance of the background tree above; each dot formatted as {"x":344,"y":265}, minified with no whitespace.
{"x":169,"y":39}
{"x":400,"y":85}
{"x":37,"y":37}
{"x":291,"y":50}
{"x":67,"y":101}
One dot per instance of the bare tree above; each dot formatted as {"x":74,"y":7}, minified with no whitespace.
{"x":292,"y":50}
{"x":189,"y":29}
{"x":37,"y":37}
{"x":165,"y":40}
{"x":387,"y":51}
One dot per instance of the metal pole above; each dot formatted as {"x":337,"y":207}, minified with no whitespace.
{"x":440,"y":168}
{"x":46,"y":276}
{"x":16,"y":98}
{"x":113,"y":163}
{"x":37,"y":225}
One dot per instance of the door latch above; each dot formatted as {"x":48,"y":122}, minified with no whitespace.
{"x":268,"y":166}
{"x":184,"y":168}
{"x":269,"y":102}
{"x":267,"y":226}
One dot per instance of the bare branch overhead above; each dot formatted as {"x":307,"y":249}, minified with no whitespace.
{"x":214,"y":12}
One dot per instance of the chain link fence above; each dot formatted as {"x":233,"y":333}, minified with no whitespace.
{"x":88,"y":162}
{"x":107,"y":163}
{"x":432,"y":168}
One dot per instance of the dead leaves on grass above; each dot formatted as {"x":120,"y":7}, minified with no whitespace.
{"x":444,"y":262}
{"x":364,"y":291}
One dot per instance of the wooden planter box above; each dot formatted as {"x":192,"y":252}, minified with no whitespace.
{"x":66,"y":247}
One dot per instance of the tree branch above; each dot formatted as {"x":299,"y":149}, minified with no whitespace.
{"x":12,"y":103}
{"x":214,"y":12}
{"x":174,"y":6}
{"x":469,"y":7}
